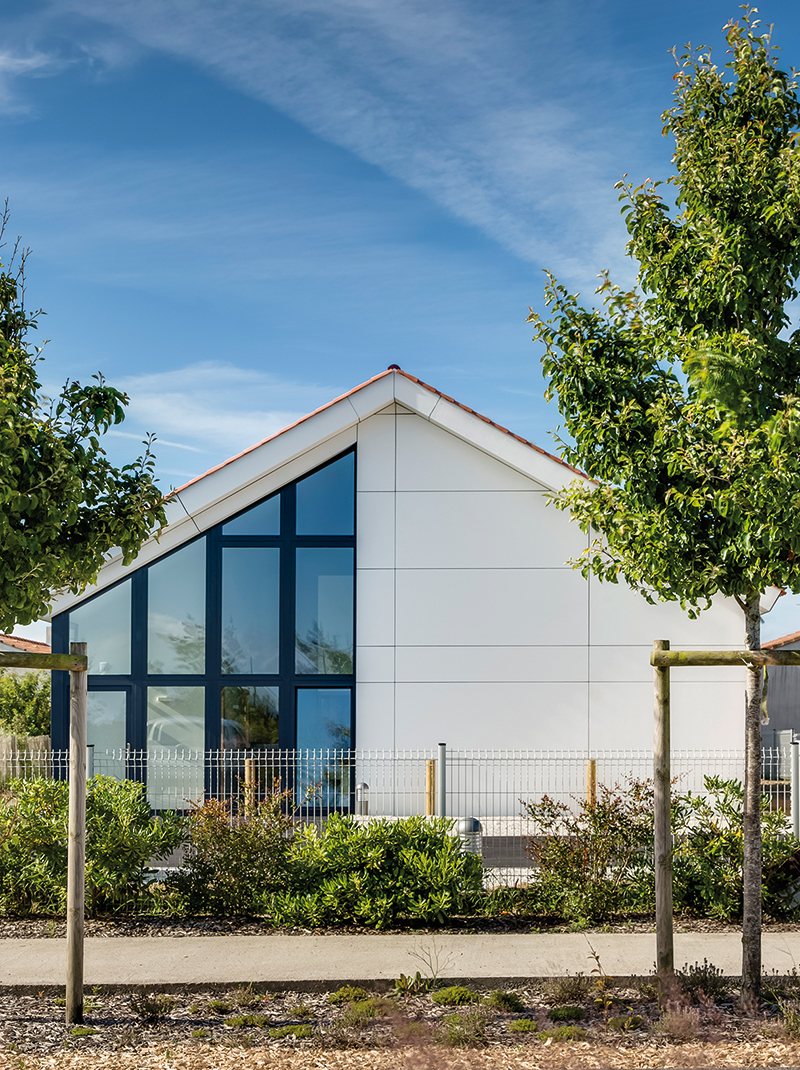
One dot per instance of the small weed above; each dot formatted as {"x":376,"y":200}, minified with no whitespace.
{"x":566,"y":1014}
{"x":563,"y":1032}
{"x":699,"y":981}
{"x":255,"y":1021}
{"x":790,"y":1016}
{"x":431,"y":959}
{"x":61,"y":1001}
{"x":150,"y":1006}
{"x":348,"y":994}
{"x":455,"y":996}
{"x":411,"y":986}
{"x":570,"y":989}
{"x":302,"y":1010}
{"x":359,"y":1014}
{"x":466,"y":1030}
{"x":505,"y":1001}
{"x":647,"y":987}
{"x":198,"y":1034}
{"x":246,"y":996}
{"x":83,"y":1031}
{"x":219,"y":1006}
{"x":195,"y":1008}
{"x":523,"y":1025}
{"x":302,"y":1032}
{"x":50,"y":929}
{"x":626,"y":1022}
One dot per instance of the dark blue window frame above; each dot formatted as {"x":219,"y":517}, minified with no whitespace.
{"x":286,"y":679}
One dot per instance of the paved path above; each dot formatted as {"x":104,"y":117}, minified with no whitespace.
{"x":314,"y":961}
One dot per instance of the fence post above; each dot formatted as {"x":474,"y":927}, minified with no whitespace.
{"x":249,"y":786}
{"x":430,"y":787}
{"x":662,"y":838}
{"x":441,"y":784}
{"x":76,"y":841}
{"x":795,"y":779}
{"x":591,"y":781}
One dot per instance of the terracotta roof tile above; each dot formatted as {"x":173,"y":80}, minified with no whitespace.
{"x":33,"y":646}
{"x":773,"y":644}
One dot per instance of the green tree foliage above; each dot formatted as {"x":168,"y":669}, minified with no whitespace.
{"x":681,"y":396}
{"x":121,"y":839}
{"x":25,"y":703}
{"x":63,"y":505}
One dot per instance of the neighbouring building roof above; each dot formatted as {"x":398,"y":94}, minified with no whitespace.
{"x":30,"y":646}
{"x":785,"y":640}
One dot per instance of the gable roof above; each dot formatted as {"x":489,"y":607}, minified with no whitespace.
{"x":785,"y":640}
{"x":288,"y":454}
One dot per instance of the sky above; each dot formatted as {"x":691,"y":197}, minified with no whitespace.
{"x":238,"y":209}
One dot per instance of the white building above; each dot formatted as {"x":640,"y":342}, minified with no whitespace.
{"x":385,"y":573}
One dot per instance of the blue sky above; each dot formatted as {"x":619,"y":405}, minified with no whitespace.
{"x":240,"y":208}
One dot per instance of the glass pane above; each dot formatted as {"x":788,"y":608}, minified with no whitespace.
{"x":175,"y":740}
{"x":324,"y":608}
{"x":249,"y":717}
{"x":106,"y":730}
{"x":323,"y":722}
{"x":176,"y":612}
{"x":250,"y":609}
{"x":263,"y":519}
{"x":326,"y":500}
{"x":104,"y":624}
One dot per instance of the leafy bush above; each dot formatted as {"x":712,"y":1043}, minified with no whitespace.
{"x":707,"y":864}
{"x":233,"y":862}
{"x":374,"y":874}
{"x":455,"y":996}
{"x":505,"y":1001}
{"x":25,"y":703}
{"x":121,"y":838}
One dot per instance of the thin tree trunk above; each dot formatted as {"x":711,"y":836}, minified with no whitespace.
{"x":751,"y":919}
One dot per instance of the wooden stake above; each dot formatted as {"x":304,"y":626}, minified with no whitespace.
{"x":430,"y":786}
{"x":591,"y":781}
{"x":76,"y":842}
{"x":249,"y":785}
{"x":665,"y":956}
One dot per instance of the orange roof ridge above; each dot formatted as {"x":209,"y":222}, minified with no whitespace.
{"x":784,"y":640}
{"x":361,"y":386}
{"x":33,"y":646}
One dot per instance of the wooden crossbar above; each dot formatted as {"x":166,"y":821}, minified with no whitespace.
{"x":673,"y":659}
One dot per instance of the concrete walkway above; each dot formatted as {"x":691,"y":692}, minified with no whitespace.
{"x":317,"y":961}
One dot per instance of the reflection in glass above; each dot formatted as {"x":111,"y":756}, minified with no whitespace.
{"x":176,"y":612}
{"x":104,"y":624}
{"x":323,"y":723}
{"x":249,"y":717}
{"x":326,"y":500}
{"x":262,"y":519}
{"x":105,"y":730}
{"x":176,"y":720}
{"x":250,"y":609}
{"x":324,"y":610}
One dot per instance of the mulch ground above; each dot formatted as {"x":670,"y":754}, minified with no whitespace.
{"x":246,"y":1029}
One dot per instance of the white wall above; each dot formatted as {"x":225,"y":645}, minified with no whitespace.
{"x":472,"y":629}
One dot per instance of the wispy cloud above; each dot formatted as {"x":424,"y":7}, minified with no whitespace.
{"x":15,"y":66}
{"x":471,"y":106}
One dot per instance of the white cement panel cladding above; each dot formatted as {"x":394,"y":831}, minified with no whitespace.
{"x":472,"y":629}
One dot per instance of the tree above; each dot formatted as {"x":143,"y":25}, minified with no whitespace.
{"x":63,"y":505}
{"x":682,"y":395}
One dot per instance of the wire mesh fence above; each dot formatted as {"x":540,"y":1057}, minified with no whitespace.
{"x":490,"y":785}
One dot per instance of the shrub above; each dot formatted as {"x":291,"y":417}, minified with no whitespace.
{"x":505,"y":1001}
{"x":256,"y":1021}
{"x":151,"y":1006}
{"x":563,"y":1032}
{"x":302,"y":1032}
{"x":219,"y":1006}
{"x":359,"y":1014}
{"x":234,"y":862}
{"x":121,"y":838}
{"x":702,"y":982}
{"x":569,"y":989}
{"x":466,"y":1030}
{"x":455,"y":996}
{"x":374,"y":874}
{"x":25,"y":703}
{"x":626,"y":1022}
{"x":566,"y":1014}
{"x":678,"y":1023}
{"x":523,"y":1025}
{"x":790,"y":1016}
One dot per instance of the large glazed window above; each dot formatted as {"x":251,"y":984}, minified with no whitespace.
{"x":106,"y":730}
{"x":249,"y":717}
{"x":250,"y":609}
{"x":326,"y":500}
{"x":104,"y":624}
{"x":176,"y":721}
{"x":324,"y":614}
{"x":176,"y":612}
{"x":262,"y":519}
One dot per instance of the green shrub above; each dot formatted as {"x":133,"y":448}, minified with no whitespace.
{"x":121,"y":838}
{"x":563,"y":1032}
{"x":455,"y":996}
{"x":626,"y":1022}
{"x":25,"y":703}
{"x":151,"y":1006}
{"x":359,"y":1014}
{"x":702,"y":982}
{"x":569,"y":989}
{"x":523,"y":1025}
{"x":566,"y":1014}
{"x":220,"y":1006}
{"x":256,"y":1021}
{"x":374,"y":874}
{"x":505,"y":1001}
{"x":233,"y":862}
{"x":464,"y":1030}
{"x":348,"y":994}
{"x":302,"y":1032}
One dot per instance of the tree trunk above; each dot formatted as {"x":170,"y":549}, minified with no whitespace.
{"x":751,"y":919}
